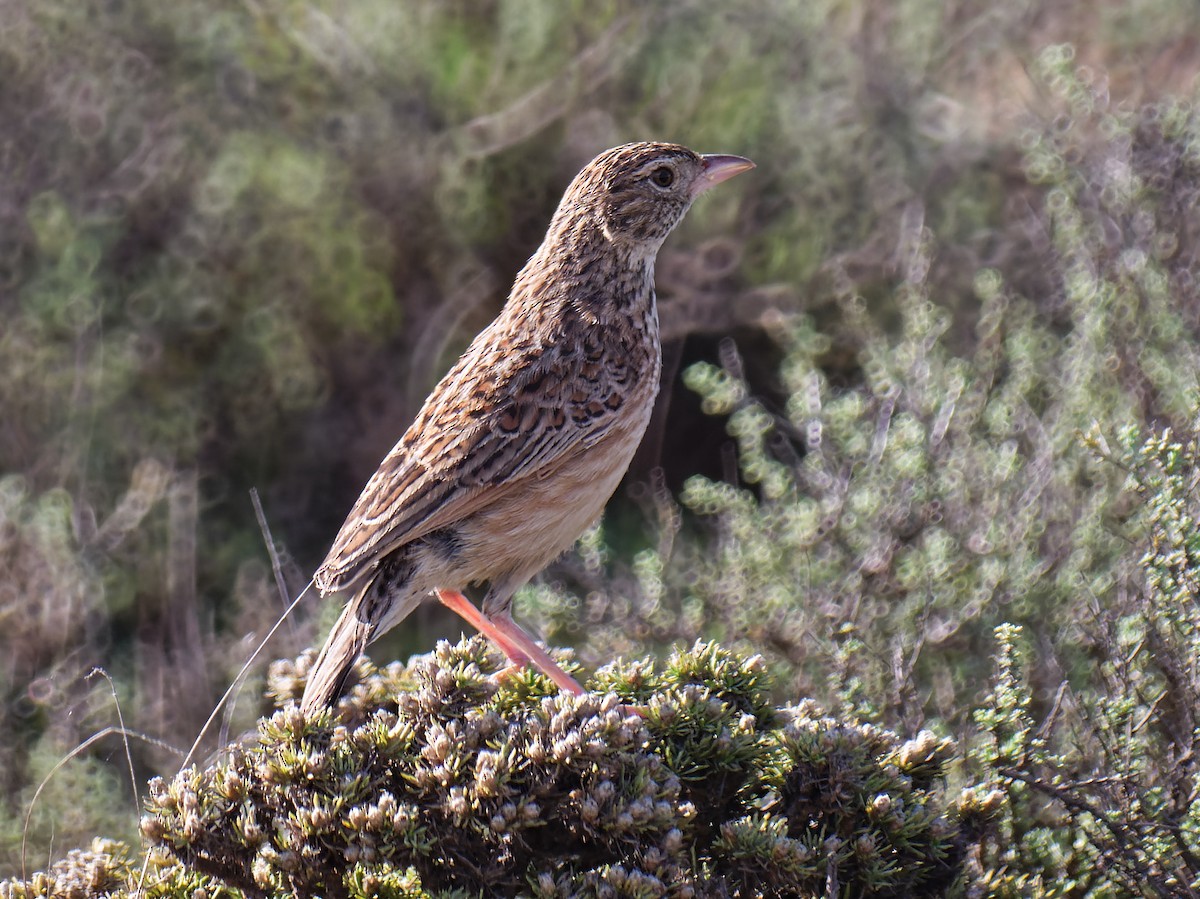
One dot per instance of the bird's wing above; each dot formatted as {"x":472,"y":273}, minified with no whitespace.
{"x":508,"y":410}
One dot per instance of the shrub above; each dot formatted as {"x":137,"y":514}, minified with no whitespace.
{"x":452,"y":786}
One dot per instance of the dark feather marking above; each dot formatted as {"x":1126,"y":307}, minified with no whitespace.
{"x":447,"y":542}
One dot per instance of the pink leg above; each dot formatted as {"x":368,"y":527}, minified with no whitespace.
{"x":534,"y":653}
{"x":465,"y":609}
{"x":518,"y":646}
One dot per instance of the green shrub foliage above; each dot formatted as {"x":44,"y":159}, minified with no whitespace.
{"x":454,"y":786}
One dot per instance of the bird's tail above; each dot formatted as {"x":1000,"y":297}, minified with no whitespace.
{"x":386,"y":599}
{"x":345,"y":643}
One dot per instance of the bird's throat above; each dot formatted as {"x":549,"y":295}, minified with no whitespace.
{"x":582,"y":266}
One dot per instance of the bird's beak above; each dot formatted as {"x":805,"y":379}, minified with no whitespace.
{"x":719,"y":168}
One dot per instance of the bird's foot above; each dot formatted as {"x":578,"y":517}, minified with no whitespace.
{"x":521,"y":649}
{"x":508,"y":672}
{"x":514,"y":669}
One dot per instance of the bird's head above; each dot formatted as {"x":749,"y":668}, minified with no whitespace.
{"x":637,"y":193}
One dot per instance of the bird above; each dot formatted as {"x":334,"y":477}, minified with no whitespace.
{"x":519,"y":447}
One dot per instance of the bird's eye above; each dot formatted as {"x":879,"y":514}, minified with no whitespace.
{"x":663,"y":176}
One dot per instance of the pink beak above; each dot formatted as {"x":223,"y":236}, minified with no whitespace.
{"x":719,"y":168}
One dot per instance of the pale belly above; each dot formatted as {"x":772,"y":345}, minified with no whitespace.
{"x":543,"y":517}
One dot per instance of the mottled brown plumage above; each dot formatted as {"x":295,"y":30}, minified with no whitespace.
{"x":521,"y":444}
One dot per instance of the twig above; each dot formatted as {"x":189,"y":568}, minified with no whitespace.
{"x":1126,"y":841}
{"x":242,"y":673}
{"x":94,"y":738}
{"x":272,"y":550}
{"x":233,"y":687}
{"x":100,"y":672}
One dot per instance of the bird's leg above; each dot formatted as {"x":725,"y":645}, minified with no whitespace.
{"x":520,"y":648}
{"x":509,"y":630}
{"x":495,"y":622}
{"x":465,"y":609}
{"x":503,"y":623}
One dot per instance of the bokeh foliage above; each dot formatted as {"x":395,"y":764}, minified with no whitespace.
{"x":238,"y":243}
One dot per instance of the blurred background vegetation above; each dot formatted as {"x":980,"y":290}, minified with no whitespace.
{"x":920,"y":364}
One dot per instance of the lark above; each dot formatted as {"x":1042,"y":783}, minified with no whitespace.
{"x":519,"y":447}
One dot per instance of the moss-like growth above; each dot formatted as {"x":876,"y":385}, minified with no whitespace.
{"x":456,"y":785}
